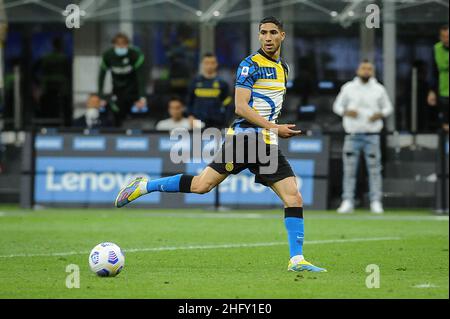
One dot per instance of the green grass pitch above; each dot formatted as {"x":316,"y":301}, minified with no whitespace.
{"x":236,"y":254}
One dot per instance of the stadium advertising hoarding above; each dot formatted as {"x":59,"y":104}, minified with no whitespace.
{"x":88,"y":170}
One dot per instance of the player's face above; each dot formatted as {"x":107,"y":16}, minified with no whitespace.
{"x":444,"y":37}
{"x":93,"y":102}
{"x":176,"y":110}
{"x":365,"y":71}
{"x":270,"y":37}
{"x":209,"y":65}
{"x":121,"y":43}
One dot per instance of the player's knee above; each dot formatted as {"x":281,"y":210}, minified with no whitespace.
{"x":201,"y":187}
{"x":294,"y":200}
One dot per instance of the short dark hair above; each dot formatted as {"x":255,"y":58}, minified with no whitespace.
{"x":443,"y":28}
{"x":120,"y":35}
{"x":175,"y":98}
{"x":209,"y":55}
{"x":273,"y":20}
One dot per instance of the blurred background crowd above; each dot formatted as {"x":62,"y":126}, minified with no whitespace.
{"x":65,"y":74}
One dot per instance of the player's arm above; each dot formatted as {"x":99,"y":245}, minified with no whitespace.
{"x":140,"y":74}
{"x":102,"y":74}
{"x":242,"y":109}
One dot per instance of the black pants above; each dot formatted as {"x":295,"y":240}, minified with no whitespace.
{"x":124,"y":103}
{"x":443,"y":109}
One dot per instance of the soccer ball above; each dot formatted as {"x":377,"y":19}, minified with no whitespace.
{"x":106,"y":260}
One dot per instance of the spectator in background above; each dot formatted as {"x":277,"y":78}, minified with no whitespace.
{"x":96,"y":116}
{"x":52,"y":74}
{"x":208,"y":97}
{"x":362,"y":103}
{"x":177,"y":119}
{"x":439,"y":94}
{"x":126,"y":65}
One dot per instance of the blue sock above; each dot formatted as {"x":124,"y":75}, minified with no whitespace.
{"x":172,"y":184}
{"x":293,"y":221}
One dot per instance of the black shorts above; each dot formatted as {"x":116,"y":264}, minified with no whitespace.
{"x":242,"y":151}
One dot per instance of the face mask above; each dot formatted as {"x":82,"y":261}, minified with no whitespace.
{"x":121,"y":51}
{"x":92,"y":115}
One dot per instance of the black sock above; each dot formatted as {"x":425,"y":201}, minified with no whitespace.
{"x":185,"y":183}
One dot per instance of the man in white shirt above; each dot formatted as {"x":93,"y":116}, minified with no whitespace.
{"x":363,"y":103}
{"x":177,"y":119}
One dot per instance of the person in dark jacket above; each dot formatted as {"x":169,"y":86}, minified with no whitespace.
{"x":96,"y":115}
{"x":209,"y":99}
{"x":126,"y":65}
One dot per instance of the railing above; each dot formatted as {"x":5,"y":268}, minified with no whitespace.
{"x":430,"y":156}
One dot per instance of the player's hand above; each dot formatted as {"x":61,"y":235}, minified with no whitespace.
{"x":376,"y":117}
{"x":432,"y":98}
{"x":287,"y":130}
{"x":350,"y":113}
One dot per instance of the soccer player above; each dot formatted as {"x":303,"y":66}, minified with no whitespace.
{"x":260,"y":89}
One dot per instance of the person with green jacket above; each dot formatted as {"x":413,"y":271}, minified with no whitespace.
{"x":439,"y":93}
{"x":126,"y":64}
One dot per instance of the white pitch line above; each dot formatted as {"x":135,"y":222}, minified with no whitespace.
{"x":243,"y":245}
{"x":422,"y":286}
{"x":309,"y":216}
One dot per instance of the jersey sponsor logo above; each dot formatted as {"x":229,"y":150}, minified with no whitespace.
{"x":122,"y":70}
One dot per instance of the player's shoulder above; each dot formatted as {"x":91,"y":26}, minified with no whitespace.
{"x":135,"y":51}
{"x":349,"y":85}
{"x":109,"y":53}
{"x":439,"y":45}
{"x":197,"y":78}
{"x":249,"y":61}
{"x":379,"y":86}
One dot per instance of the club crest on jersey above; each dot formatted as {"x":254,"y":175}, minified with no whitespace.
{"x":229,"y":166}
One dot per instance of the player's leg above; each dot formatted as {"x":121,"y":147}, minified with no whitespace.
{"x":372,"y":155}
{"x":350,"y":159}
{"x":181,"y":183}
{"x":287,"y":190}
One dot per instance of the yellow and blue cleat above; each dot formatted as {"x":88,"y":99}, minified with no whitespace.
{"x":303,"y":265}
{"x":131,"y":192}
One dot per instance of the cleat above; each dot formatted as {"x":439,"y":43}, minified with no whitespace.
{"x":346,"y":207}
{"x":376,"y":207}
{"x":129,"y":193}
{"x":303,"y":265}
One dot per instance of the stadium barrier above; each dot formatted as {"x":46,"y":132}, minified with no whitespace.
{"x":73,"y":169}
